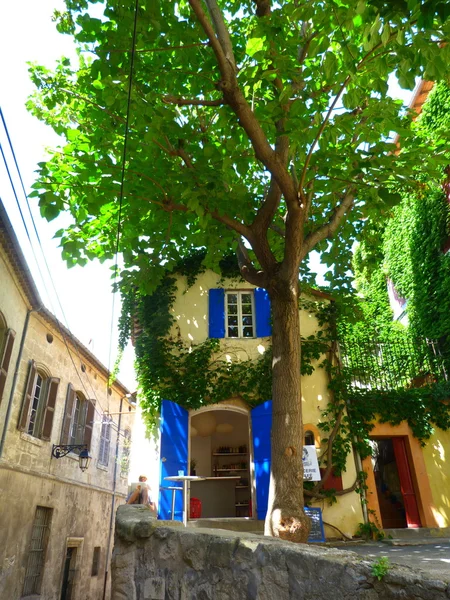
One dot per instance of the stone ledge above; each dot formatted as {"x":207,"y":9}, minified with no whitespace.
{"x":154,"y":560}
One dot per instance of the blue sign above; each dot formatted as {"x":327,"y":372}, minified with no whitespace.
{"x":317,"y":533}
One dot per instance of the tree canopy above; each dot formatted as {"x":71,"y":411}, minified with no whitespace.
{"x":240,"y":113}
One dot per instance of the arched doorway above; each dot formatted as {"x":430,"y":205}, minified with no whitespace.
{"x":220,"y":452}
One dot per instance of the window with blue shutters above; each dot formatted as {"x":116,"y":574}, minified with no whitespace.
{"x":239,"y":313}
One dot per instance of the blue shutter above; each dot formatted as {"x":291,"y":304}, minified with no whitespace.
{"x":263,"y":313}
{"x":217,"y":313}
{"x":261,"y":430}
{"x":173,"y":456}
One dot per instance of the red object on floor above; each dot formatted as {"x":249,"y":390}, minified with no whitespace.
{"x":195,"y":509}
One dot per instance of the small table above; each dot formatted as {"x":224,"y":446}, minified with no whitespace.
{"x":185,"y":479}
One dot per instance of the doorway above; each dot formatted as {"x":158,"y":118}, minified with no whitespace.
{"x":220,"y":452}
{"x":395,"y":490}
{"x":69,"y":574}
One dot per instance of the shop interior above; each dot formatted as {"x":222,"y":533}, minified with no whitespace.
{"x":220,"y":454}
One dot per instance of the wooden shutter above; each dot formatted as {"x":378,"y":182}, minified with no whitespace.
{"x":49,"y":410}
{"x":216,"y":313}
{"x":70,"y":398}
{"x":89,"y":424}
{"x":5,"y":358}
{"x":23,"y":420}
{"x":263,"y":313}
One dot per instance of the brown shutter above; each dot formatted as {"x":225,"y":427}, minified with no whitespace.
{"x":89,"y":424}
{"x":23,"y":421}
{"x":49,"y":411}
{"x":68,"y":414}
{"x":5,"y":358}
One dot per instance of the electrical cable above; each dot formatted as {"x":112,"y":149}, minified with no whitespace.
{"x":64,"y":337}
{"x":122,"y":178}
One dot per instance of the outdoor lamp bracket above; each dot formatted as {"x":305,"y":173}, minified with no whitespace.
{"x":60,"y":450}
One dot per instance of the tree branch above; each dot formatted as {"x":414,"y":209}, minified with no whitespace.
{"x":234,"y":97}
{"x":328,"y":230}
{"x":222,"y":32}
{"x":248,"y":271}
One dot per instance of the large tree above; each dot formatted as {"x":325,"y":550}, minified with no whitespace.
{"x":254,"y":125}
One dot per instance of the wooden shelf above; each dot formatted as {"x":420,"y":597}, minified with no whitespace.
{"x":243,"y":505}
{"x":230,"y":453}
{"x":230,"y":470}
{"x":241,"y":487}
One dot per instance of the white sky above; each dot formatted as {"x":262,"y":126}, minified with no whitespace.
{"x":28,"y":34}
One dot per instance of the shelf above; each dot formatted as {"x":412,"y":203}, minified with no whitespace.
{"x":230,"y":453}
{"x":241,"y":487}
{"x":230,"y":470}
{"x":243,"y":505}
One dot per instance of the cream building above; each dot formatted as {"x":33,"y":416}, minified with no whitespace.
{"x":229,"y":442}
{"x":56,"y":521}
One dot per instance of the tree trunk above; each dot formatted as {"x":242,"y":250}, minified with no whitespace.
{"x":285,"y":515}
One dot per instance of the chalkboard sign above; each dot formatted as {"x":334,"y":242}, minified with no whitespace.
{"x":317,"y":533}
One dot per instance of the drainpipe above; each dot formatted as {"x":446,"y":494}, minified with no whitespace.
{"x":113,"y":501}
{"x":14,"y":381}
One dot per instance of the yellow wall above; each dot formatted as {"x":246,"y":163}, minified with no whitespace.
{"x":436,"y":455}
{"x":190,"y":310}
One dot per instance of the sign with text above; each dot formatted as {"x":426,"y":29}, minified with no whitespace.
{"x":311,"y":471}
{"x":317,"y":533}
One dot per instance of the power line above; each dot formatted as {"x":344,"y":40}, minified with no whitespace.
{"x":63,"y":335}
{"x":122,"y":178}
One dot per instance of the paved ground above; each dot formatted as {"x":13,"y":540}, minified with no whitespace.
{"x":433,"y":559}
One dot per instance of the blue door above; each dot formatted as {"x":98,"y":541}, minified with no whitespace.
{"x":173,"y":457}
{"x":261,"y":429}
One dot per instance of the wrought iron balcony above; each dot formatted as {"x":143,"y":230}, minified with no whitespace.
{"x":401,"y":362}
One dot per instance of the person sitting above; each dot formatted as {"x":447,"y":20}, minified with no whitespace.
{"x":141,"y":494}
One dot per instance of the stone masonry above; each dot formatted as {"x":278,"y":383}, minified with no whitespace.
{"x":162,"y":560}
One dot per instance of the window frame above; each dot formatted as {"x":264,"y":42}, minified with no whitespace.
{"x":105,"y":441}
{"x":37,"y":566}
{"x":35,"y":428}
{"x":77,"y":438}
{"x":240,"y":316}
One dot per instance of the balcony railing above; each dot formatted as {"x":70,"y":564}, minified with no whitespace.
{"x":401,"y":362}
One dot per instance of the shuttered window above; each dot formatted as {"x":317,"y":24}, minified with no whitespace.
{"x":38,"y":406}
{"x":239,"y":313}
{"x":6,"y":345}
{"x":78,"y":419}
{"x":36,"y":553}
{"x":105,"y":441}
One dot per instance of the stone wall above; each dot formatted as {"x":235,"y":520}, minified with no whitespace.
{"x":157,"y":560}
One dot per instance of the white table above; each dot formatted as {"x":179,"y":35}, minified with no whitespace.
{"x":185,"y":479}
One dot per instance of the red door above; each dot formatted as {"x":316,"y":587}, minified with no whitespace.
{"x":406,"y":484}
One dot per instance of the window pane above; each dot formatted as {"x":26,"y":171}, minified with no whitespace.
{"x":246,"y":309}
{"x":232,"y":298}
{"x":233,"y":332}
{"x":232,"y":321}
{"x":232,"y":309}
{"x":248,"y":331}
{"x":246,"y":298}
{"x":247,"y":320}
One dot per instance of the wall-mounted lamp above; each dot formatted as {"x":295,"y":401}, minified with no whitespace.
{"x":60,"y":450}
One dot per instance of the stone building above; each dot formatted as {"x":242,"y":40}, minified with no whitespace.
{"x":56,"y":521}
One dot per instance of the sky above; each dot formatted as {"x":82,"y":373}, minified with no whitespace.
{"x":28,"y":34}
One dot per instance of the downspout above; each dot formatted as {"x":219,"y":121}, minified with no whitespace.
{"x":14,"y":381}
{"x":113,"y":501}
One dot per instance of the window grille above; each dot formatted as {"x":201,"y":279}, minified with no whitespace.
{"x":36,"y":553}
